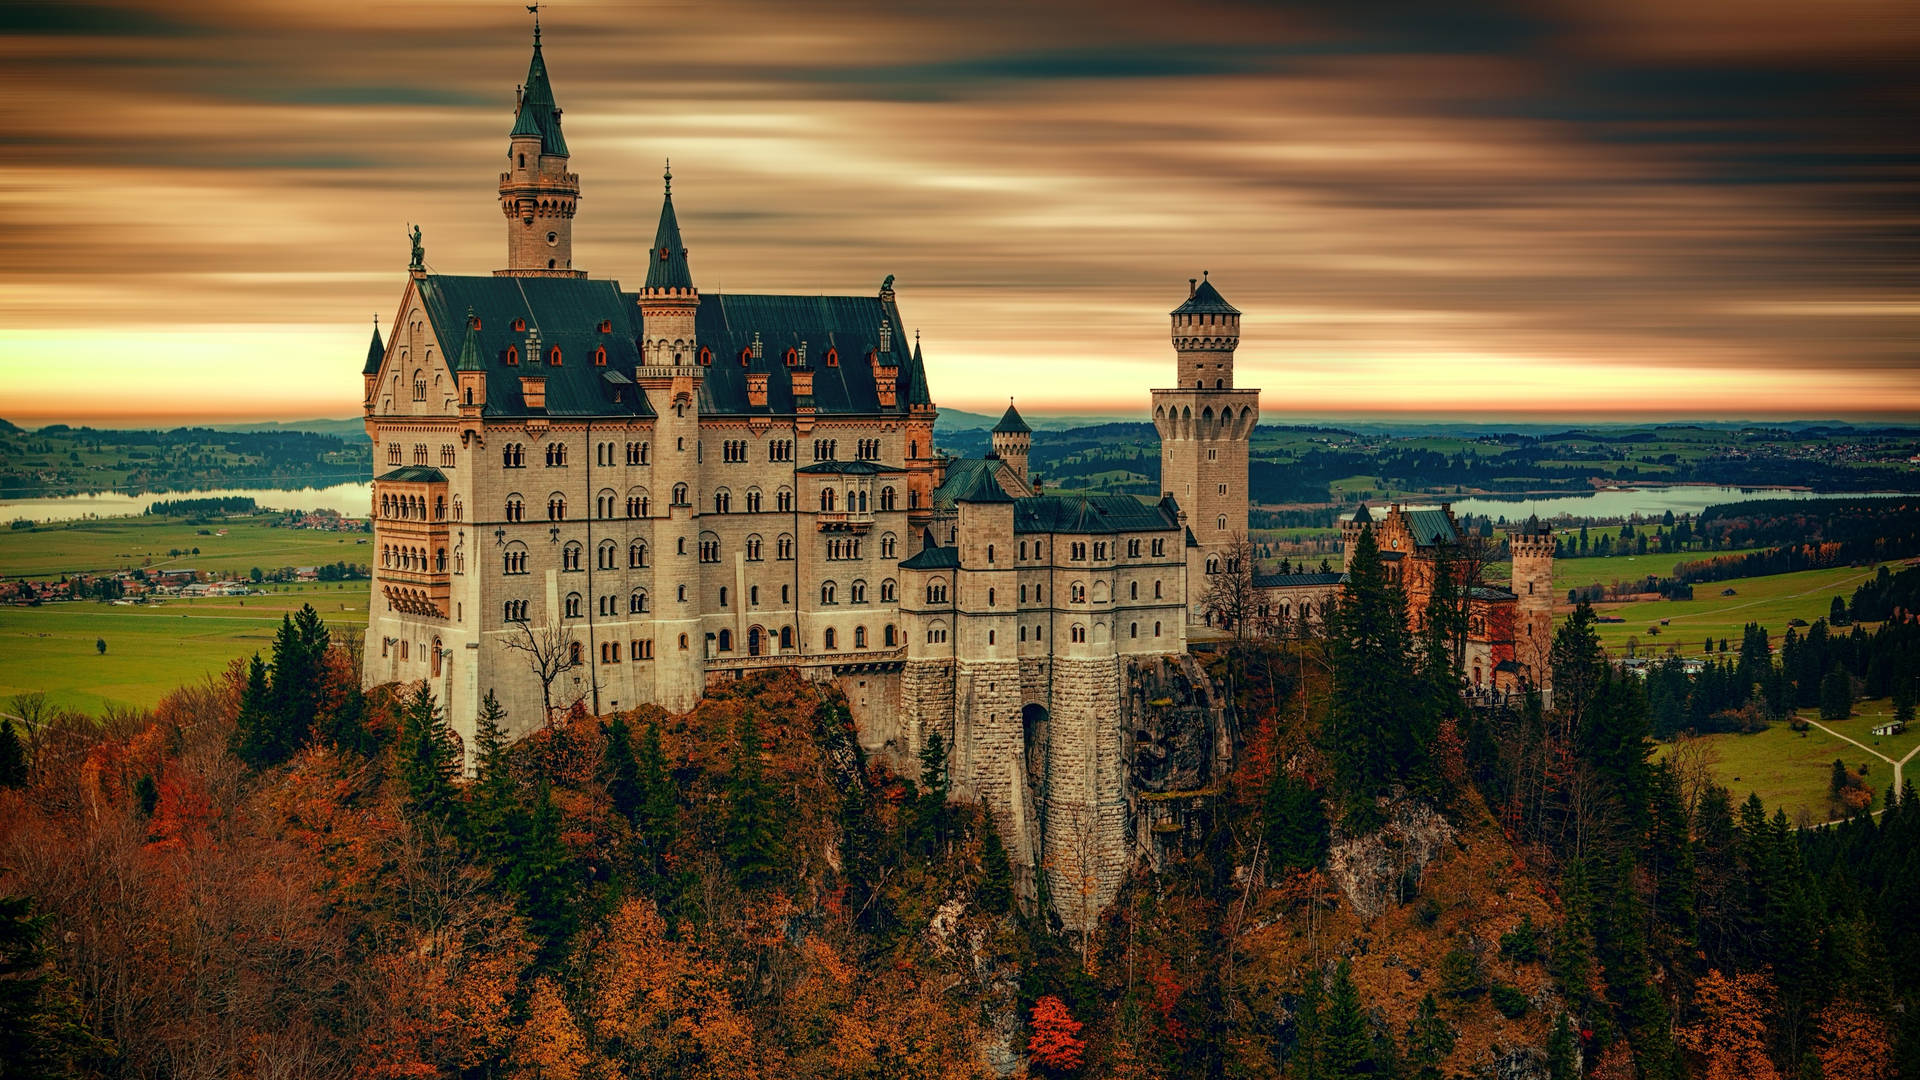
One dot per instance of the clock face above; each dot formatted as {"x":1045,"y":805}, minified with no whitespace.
{"x":553,"y":238}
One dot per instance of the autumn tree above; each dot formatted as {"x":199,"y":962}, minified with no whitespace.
{"x":1231,"y":601}
{"x":1728,"y":1035}
{"x":1055,"y":1046}
{"x":1853,"y":1042}
{"x":550,"y":651}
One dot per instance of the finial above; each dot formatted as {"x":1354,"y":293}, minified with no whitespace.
{"x":916,"y":342}
{"x":1203,"y":274}
{"x":535,"y":8}
{"x":668,"y":176}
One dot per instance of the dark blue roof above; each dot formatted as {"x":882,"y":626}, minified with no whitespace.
{"x":414,"y":474}
{"x":1206,"y":300}
{"x":1431,"y":527}
{"x":1091,"y":514}
{"x":376,"y":352}
{"x":1288,"y":581}
{"x":1011,"y":423}
{"x":933,"y":557}
{"x":537,"y":114}
{"x":667,"y":263}
{"x":849,"y":468}
{"x":727,"y":324}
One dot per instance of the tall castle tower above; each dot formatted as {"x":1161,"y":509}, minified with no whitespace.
{"x":1012,"y":441}
{"x":1205,"y":425}
{"x":670,"y":372}
{"x":1533,"y":548}
{"x":537,"y":193}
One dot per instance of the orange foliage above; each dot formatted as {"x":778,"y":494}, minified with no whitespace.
{"x":550,"y":1046}
{"x":182,"y":815}
{"x":1730,"y":1035}
{"x":1853,"y":1042}
{"x":1055,"y":1042}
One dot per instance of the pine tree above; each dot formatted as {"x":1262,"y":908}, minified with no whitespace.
{"x":426,"y":760}
{"x":1346,"y":1045}
{"x":256,"y":735}
{"x":619,"y":772}
{"x":930,"y":808}
{"x":1296,"y":827}
{"x":1429,"y":1040}
{"x":496,"y":821}
{"x":751,"y":836}
{"x":659,"y":808}
{"x":1836,"y":695}
{"x":1309,"y":1031}
{"x":1381,"y":724}
{"x":1562,"y":1061}
{"x":996,"y":878}
{"x":13,"y":756}
{"x":541,"y":874}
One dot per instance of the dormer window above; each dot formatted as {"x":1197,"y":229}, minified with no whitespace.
{"x":513,"y":356}
{"x":599,"y":356}
{"x":792,"y":358}
{"x":553,"y":357}
{"x":746,"y":356}
{"x":606,"y":326}
{"x":833,"y":357}
{"x":706,"y":356}
{"x":519,"y":326}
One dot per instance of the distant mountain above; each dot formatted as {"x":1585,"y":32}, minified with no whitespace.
{"x":346,"y":429}
{"x":954,"y":420}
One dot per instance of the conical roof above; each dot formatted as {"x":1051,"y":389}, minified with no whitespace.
{"x":470,"y":348}
{"x":667,"y":269}
{"x":376,"y":352}
{"x":1362,"y":515}
{"x":1011,"y":424}
{"x":917,"y":392}
{"x":537,"y":113}
{"x":1206,"y":300}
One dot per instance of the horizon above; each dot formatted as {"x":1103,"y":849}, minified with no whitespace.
{"x":1568,"y":212}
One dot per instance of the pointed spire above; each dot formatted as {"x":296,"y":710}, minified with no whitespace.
{"x":470,"y":348}
{"x":916,"y":378}
{"x":667,"y":268}
{"x":537,"y":114}
{"x":376,"y":351}
{"x":1011,"y":423}
{"x":1205,"y":300}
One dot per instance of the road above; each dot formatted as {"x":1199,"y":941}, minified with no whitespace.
{"x":1898,"y":766}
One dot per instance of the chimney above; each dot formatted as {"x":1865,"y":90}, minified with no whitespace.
{"x":534,"y":389}
{"x":1193,"y":285}
{"x":757,"y":388}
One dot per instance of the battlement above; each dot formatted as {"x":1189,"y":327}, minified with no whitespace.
{"x":1534,"y":544}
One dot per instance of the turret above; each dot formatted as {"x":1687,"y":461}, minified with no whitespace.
{"x":470,"y":376}
{"x":668,"y":300}
{"x":1532,"y":547}
{"x":376,"y":355}
{"x":1206,"y":425}
{"x":538,"y":195}
{"x":1206,"y":331}
{"x":1012,"y":439}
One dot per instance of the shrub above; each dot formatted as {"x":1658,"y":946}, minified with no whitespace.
{"x":1522,"y":943}
{"x":1460,"y":974}
{"x":1511,"y":1002}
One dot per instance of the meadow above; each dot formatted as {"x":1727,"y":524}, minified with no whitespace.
{"x":152,"y":648}
{"x":1790,"y":770}
{"x":124,"y":543}
{"x":1770,"y":601}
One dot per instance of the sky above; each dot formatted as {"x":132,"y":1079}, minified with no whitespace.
{"x":1602,"y":208}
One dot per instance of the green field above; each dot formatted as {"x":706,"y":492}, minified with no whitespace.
{"x":1575,"y":573}
{"x":1769,"y":601}
{"x":124,"y":543}
{"x":1790,"y":770}
{"x":151,"y":648}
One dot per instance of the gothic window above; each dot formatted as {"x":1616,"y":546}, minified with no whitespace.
{"x":570,"y":557}
{"x":513,"y":356}
{"x":553,"y":356}
{"x":419,"y":453}
{"x":419,"y":386}
{"x":446,"y":455}
{"x":573,"y":605}
{"x":637,"y":603}
{"x":888,"y":499}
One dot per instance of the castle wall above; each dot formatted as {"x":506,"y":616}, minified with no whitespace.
{"x":1084,"y":828}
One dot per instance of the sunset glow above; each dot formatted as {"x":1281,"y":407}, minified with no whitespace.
{"x":1628,"y":210}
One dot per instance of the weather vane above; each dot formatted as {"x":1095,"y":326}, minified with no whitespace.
{"x":535,"y":8}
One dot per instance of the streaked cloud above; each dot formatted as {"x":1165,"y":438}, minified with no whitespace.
{"x":1477,"y":208}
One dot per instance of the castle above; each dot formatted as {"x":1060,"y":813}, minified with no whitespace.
{"x":589,"y":495}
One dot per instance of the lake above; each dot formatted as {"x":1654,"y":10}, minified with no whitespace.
{"x":1649,"y":502}
{"x":350,"y":499}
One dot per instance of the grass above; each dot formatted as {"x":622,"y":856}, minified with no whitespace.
{"x":1859,"y":727}
{"x":151,"y":649}
{"x":1770,"y":601}
{"x":1575,"y":573}
{"x":1788,"y":769}
{"x":124,"y":543}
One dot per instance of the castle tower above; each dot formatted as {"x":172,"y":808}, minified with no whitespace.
{"x":1012,"y":438}
{"x":1533,"y":548}
{"x":670,"y":373}
{"x":1205,"y":425}
{"x":376,"y":355}
{"x":537,"y":193}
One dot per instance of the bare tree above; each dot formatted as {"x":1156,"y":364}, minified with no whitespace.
{"x":1231,"y":600}
{"x":551,"y":651}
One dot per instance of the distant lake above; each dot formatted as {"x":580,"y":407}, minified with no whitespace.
{"x":350,"y":499}
{"x":1649,"y":502}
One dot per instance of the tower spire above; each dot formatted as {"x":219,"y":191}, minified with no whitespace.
{"x":537,"y":193}
{"x":668,"y":269}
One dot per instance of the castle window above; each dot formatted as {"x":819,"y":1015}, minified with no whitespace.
{"x":1159,"y":548}
{"x":1079,"y":551}
{"x":643,"y":649}
{"x":990,"y":637}
{"x":722,"y":502}
{"x":609,"y":652}
{"x":553,"y":356}
{"x":514,"y":561}
{"x":709,"y":550}
{"x":513,"y":356}
{"x":826,"y":500}
{"x":556,"y":507}
{"x":1023,"y":634}
{"x":746,"y":356}
{"x":888,"y":499}
{"x":1133,"y":549}
{"x":1038,"y":632}
{"x":723,"y":596}
{"x":783,"y":548}
{"x":515,"y":611}
{"x":557,"y":454}
{"x":519,"y":326}
{"x":726,"y":641}
{"x":989,"y":597}
{"x":753,"y":500}
{"x":570,"y":557}
{"x":637,"y":554}
{"x":516,"y":509}
{"x":573,"y":606}
{"x":1221,"y":523}
{"x":783,"y":501}
{"x":888,"y":545}
{"x":419,"y":453}
{"x":609,"y":555}
{"x":1156,"y":590}
{"x":1023,"y":594}
{"x":889,"y":591}
{"x":786,"y":637}
{"x":637,"y":603}
{"x":859,"y":637}
{"x":989,"y":552}
{"x":1156,"y":629}
{"x":599,"y":356}
{"x":827,"y":592}
{"x":1133,"y":630}
{"x":419,"y":387}
{"x":1133,"y":590}
{"x":706,"y":356}
{"x":753,"y":549}
{"x":1079,"y":633}
{"x":890,"y":636}
{"x":683,"y":643}
{"x":680,"y":495}
{"x":513,"y":456}
{"x":1078,"y":593}
{"x":680,"y":593}
{"x":857,"y":592}
{"x":446,"y":455}
{"x":833,"y":357}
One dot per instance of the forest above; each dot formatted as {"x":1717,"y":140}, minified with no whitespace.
{"x":275,"y":873}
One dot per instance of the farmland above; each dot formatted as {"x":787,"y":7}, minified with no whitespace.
{"x":1770,"y":601}
{"x":1790,"y":769}
{"x":110,"y":544}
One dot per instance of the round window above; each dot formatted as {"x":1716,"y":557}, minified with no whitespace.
{"x":553,"y":238}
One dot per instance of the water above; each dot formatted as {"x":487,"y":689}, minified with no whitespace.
{"x":1650,"y":502}
{"x":352,"y":500}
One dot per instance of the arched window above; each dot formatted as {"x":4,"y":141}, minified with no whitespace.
{"x":859,"y":637}
{"x":887,"y":498}
{"x":857,"y":592}
{"x":556,"y":507}
{"x":553,"y":356}
{"x":891,"y":636}
{"x":637,"y":553}
{"x":609,"y":555}
{"x":600,"y":356}
{"x":726,"y":636}
{"x":723,"y":596}
{"x":832,"y":639}
{"x":683,"y":643}
{"x":826,"y":592}
{"x":786,"y":637}
{"x":722,"y":502}
{"x":1133,"y":590}
{"x":889,"y":591}
{"x":516,"y":508}
{"x":826,"y":500}
{"x":888,"y":545}
{"x":637,"y":603}
{"x":573,"y":605}
{"x":989,"y":552}
{"x":1079,"y":633}
{"x":680,"y":495}
{"x":1133,"y":630}
{"x":570,"y":557}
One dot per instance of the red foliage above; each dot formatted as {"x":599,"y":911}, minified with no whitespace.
{"x":182,"y":814}
{"x":1166,"y":998}
{"x":1055,"y":1042}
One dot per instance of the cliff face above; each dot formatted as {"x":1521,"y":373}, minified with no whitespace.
{"x":1177,"y":737}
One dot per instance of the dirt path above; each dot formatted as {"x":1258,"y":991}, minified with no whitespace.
{"x":1898,"y":766}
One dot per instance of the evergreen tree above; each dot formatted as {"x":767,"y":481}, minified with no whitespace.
{"x":496,"y":821}
{"x":344,"y":727}
{"x":1347,"y":1049}
{"x":1836,"y":695}
{"x":13,"y":756}
{"x":256,"y":736}
{"x":46,"y":1033}
{"x":659,"y":808}
{"x":1296,"y":827}
{"x":752,"y":835}
{"x":541,"y":874}
{"x":1309,"y":1031}
{"x":619,"y":771}
{"x":1382,"y":722}
{"x":930,"y":808}
{"x":996,"y":870}
{"x":1429,"y":1040}
{"x":299,"y":679}
{"x":426,"y":760}
{"x":1562,"y":1061}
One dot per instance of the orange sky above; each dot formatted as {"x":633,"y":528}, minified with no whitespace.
{"x":1520,"y":209}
